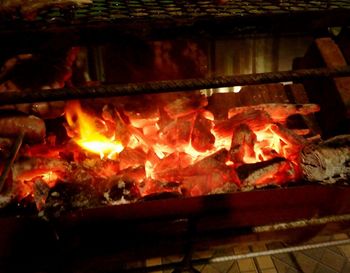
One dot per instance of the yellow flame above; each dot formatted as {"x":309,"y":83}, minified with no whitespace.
{"x":88,"y":135}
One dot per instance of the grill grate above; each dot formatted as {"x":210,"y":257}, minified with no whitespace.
{"x":179,"y":12}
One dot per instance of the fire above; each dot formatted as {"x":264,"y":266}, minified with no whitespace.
{"x":88,"y":135}
{"x":268,"y":144}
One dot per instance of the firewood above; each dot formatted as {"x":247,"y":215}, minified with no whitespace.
{"x":327,"y":162}
{"x":275,"y":171}
{"x":279,"y":112}
{"x":242,"y":143}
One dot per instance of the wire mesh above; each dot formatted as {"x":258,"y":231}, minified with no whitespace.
{"x":113,"y":11}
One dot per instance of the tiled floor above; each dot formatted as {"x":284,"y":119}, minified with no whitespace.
{"x":324,"y":260}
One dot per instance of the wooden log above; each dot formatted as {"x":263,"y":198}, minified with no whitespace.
{"x":279,"y":112}
{"x":328,"y":162}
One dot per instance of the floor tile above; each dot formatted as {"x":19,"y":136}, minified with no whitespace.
{"x":265,"y":262}
{"x":271,"y":270}
{"x":333,"y":260}
{"x":280,"y":265}
{"x":234,"y":268}
{"x":210,"y":269}
{"x":345,"y":249}
{"x":306,"y":263}
{"x":323,"y":269}
{"x":314,"y":253}
{"x":224,"y":266}
{"x":346,"y":268}
{"x":246,"y":265}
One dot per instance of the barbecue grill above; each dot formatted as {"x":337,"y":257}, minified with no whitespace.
{"x":106,"y":238}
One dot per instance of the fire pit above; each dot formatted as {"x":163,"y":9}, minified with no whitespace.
{"x":161,"y":149}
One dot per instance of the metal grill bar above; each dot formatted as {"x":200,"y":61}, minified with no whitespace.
{"x":179,"y":13}
{"x":169,"y":86}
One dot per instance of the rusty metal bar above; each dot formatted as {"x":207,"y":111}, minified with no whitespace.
{"x":169,"y":86}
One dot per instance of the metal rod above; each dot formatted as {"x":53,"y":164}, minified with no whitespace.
{"x":279,"y":251}
{"x":12,"y":156}
{"x":302,"y":223}
{"x":169,"y":86}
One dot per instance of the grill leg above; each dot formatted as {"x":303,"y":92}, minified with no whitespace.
{"x":186,"y":264}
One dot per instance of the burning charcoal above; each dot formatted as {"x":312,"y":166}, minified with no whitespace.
{"x":28,"y":169}
{"x":255,"y":119}
{"x":226,"y":188}
{"x":131,"y":158}
{"x":169,"y":168}
{"x":327,"y":162}
{"x":279,"y":112}
{"x":116,"y":124}
{"x":206,"y":183}
{"x":142,"y":111}
{"x":66,"y":197}
{"x":121,"y":190}
{"x":272,"y":172}
{"x":153,"y":187}
{"x":202,"y":139}
{"x":185,"y":105}
{"x":33,"y":127}
{"x":293,"y":142}
{"x":177,"y":132}
{"x":210,"y":163}
{"x":41,"y":191}
{"x":242,"y":144}
{"x":133,"y":173}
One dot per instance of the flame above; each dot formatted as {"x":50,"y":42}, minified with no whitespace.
{"x":88,"y":135}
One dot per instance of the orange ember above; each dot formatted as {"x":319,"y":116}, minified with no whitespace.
{"x":88,"y":135}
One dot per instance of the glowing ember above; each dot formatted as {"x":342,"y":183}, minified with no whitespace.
{"x":88,"y":135}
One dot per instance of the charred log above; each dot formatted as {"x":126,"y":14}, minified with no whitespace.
{"x":328,"y":162}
